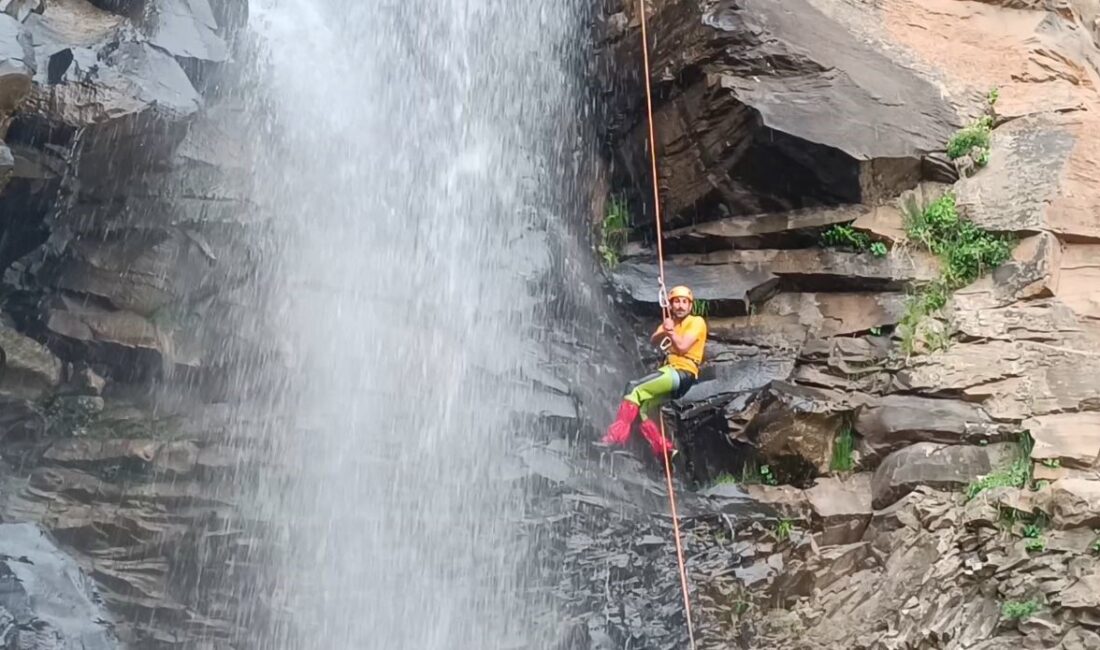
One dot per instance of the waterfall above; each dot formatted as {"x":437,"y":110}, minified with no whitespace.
{"x":413,"y":154}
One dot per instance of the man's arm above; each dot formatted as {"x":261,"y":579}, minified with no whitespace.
{"x":681,"y":343}
{"x":658,"y":335}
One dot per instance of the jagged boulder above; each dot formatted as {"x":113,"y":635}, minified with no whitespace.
{"x":764,"y":93}
{"x":1070,"y":439}
{"x":186,"y":29}
{"x":841,"y":508}
{"x":941,"y":467}
{"x":28,"y":370}
{"x":895,"y":421}
{"x":1072,"y":502}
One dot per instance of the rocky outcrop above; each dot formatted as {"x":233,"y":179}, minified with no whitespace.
{"x":144,"y":502}
{"x":777,"y":124}
{"x":763,"y":108}
{"x":127,"y":234}
{"x":944,"y":467}
{"x":128,"y":272}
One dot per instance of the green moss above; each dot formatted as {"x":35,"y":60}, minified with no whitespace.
{"x":613,"y":232}
{"x":842,"y":450}
{"x":966,"y":253}
{"x":844,"y":236}
{"x":965,"y":140}
{"x":1017,"y":474}
{"x":1014,"y":610}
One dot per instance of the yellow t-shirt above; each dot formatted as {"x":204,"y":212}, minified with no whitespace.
{"x":690,"y":362}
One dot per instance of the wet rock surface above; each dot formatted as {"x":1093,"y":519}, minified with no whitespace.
{"x":774,"y":122}
{"x":46,"y":601}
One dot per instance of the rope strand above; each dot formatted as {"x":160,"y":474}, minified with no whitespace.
{"x":665,"y":314}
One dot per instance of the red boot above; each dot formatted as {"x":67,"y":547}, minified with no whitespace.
{"x":658,"y":443}
{"x":619,"y":431}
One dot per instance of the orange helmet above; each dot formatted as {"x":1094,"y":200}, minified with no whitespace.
{"x":681,"y":292}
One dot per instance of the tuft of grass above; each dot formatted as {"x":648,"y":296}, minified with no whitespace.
{"x":844,"y":236}
{"x":752,"y":474}
{"x":842,"y":450}
{"x":1015,"y":610}
{"x":614,"y":231}
{"x":700,"y":307}
{"x":976,"y":135}
{"x":725,"y":478}
{"x":783,"y":530}
{"x":966,"y":253}
{"x":1036,"y":545}
{"x":1017,"y":474}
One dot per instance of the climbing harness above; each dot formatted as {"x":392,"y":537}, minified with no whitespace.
{"x":662,"y":299}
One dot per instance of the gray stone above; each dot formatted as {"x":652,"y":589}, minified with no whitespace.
{"x":1072,"y":502}
{"x":719,"y":285}
{"x":20,"y":9}
{"x":895,"y":421}
{"x":1014,"y":192}
{"x":17,"y":64}
{"x":841,"y":507}
{"x":28,"y":369}
{"x":937,"y":466}
{"x":187,"y":29}
{"x":1072,"y":439}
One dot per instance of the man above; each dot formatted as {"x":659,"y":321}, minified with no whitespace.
{"x":687,"y":336}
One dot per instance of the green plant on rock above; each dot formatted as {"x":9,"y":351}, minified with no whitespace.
{"x":1096,"y":544}
{"x":751,"y":474}
{"x":700,"y":307}
{"x":784,"y":529}
{"x":969,"y":146}
{"x":725,"y":478}
{"x":614,"y":230}
{"x":1015,"y":610}
{"x":842,"y":450}
{"x":1036,"y":545}
{"x":844,"y":236}
{"x":972,"y":140}
{"x":966,"y":252}
{"x":1017,"y":474}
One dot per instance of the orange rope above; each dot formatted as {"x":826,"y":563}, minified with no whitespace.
{"x":664,"y":313}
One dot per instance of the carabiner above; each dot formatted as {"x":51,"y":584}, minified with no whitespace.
{"x":662,"y":297}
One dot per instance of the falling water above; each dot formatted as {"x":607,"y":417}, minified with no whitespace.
{"x":413,"y":153}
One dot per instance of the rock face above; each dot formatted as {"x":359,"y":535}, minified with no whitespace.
{"x":774,"y":108}
{"x":152,"y":243}
{"x":46,"y":602}
{"x":775,"y":123}
{"x":925,"y":463}
{"x":126,"y":234}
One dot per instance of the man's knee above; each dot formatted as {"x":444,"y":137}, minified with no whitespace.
{"x":632,"y":386}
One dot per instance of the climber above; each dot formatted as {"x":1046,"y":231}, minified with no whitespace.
{"x":686,"y":337}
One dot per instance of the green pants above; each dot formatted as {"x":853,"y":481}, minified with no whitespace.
{"x":653,"y":390}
